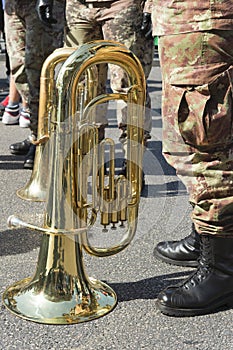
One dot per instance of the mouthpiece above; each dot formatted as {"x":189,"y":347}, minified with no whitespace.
{"x":14,"y":222}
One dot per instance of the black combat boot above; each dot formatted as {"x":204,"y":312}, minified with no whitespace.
{"x":20,"y":148}
{"x":209,"y":288}
{"x":183,"y":253}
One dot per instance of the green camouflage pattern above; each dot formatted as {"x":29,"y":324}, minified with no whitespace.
{"x":29,"y":43}
{"x":179,"y":16}
{"x":197,"y":112}
{"x":116,"y":20}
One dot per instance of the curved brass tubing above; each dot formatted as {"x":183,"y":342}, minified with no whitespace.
{"x":36,"y":187}
{"x":78,"y":190}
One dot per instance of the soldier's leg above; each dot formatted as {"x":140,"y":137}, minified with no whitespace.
{"x":82,"y":27}
{"x":197,"y":133}
{"x":41,"y":41}
{"x":38,"y":41}
{"x":198,"y":143}
{"x":81,"y":24}
{"x":15,"y":40}
{"x":13,"y":114}
{"x":176,"y":119}
{"x":125,"y":27}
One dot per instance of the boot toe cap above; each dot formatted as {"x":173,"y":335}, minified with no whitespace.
{"x":165,"y":297}
{"x":20,"y":148}
{"x":177,"y":253}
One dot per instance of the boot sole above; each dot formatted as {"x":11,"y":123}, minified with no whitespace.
{"x":169,"y":311}
{"x":28,"y":166}
{"x":185,"y":263}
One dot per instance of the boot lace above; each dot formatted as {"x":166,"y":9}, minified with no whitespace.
{"x":205,"y":263}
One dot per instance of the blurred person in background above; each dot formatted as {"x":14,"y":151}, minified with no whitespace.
{"x":4,"y":102}
{"x":29,"y":42}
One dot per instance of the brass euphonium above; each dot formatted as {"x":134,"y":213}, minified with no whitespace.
{"x":80,"y":193}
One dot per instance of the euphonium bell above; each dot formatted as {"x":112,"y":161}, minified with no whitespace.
{"x":79,"y":192}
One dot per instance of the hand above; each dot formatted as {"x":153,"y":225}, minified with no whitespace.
{"x":146,"y":26}
{"x":44,"y":10}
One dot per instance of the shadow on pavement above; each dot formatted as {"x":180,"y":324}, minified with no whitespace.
{"x":18,"y":241}
{"x":148,"y":288}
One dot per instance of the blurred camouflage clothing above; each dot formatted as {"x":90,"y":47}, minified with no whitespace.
{"x":29,"y":42}
{"x":179,"y":16}
{"x":197,"y":105}
{"x":148,"y":5}
{"x":120,"y":21}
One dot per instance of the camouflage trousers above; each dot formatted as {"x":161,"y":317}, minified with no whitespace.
{"x":197,"y":112}
{"x":29,"y":42}
{"x":112,"y":20}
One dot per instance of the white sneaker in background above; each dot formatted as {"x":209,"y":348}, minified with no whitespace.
{"x":11,"y":115}
{"x":24,"y":119}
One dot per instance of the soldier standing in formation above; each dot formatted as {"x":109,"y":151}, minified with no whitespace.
{"x":196,"y":56}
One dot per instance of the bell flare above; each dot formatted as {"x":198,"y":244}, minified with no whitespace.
{"x":24,"y":300}
{"x":60,"y":292}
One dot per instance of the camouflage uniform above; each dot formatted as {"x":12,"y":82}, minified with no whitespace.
{"x":196,"y":55}
{"x":29,"y":42}
{"x":118,"y":20}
